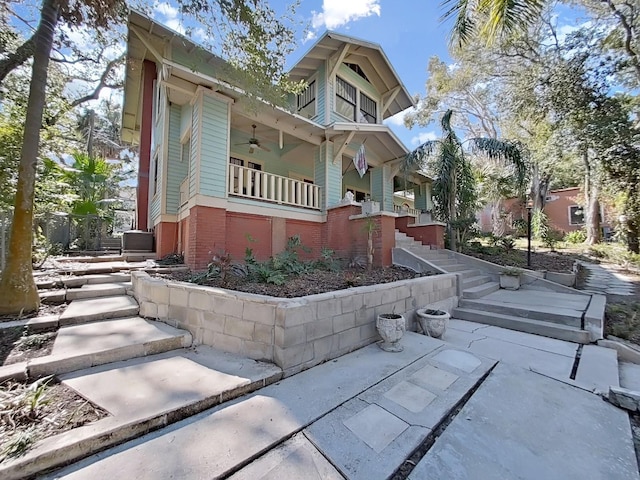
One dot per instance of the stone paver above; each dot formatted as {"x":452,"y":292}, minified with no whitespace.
{"x":523,"y":425}
{"x":296,"y":458}
{"x":603,"y":279}
{"x":598,"y":368}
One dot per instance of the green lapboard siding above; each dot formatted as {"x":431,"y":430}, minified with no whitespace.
{"x":214,"y":154}
{"x":382,"y":187}
{"x":176,"y":168}
{"x":195,"y":150}
{"x":321,"y":90}
{"x":319,"y":173}
{"x":352,"y":179}
{"x":420,"y":199}
{"x":334,"y":177}
{"x":186,"y":114}
{"x":272,"y":161}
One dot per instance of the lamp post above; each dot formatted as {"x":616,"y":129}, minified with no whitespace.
{"x":529,"y":207}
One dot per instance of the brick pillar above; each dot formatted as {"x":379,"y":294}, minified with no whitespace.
{"x":146,"y":124}
{"x":205,"y":235}
{"x":166,"y":234}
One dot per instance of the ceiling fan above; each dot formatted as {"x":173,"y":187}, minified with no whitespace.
{"x":254,"y":142}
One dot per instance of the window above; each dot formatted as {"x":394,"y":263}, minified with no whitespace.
{"x":185,"y":150}
{"x":576,"y":215}
{"x":368,"y":109}
{"x":350,"y":101}
{"x":251,"y":165}
{"x":356,"y":68}
{"x":358,"y":195}
{"x":307,"y":101}
{"x":155,"y":174}
{"x":345,"y":99}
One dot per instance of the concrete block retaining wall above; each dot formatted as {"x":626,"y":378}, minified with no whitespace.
{"x":294,"y":333}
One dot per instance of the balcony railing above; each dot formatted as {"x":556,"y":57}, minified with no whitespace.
{"x":184,"y":192}
{"x":411,"y":211}
{"x":257,"y":185}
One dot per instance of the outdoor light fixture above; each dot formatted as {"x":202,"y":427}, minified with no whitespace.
{"x":529,"y":207}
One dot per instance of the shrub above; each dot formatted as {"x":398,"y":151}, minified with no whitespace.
{"x":577,"y":236}
{"x":551,"y":237}
{"x":508,"y":243}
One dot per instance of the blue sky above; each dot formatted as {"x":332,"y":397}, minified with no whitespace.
{"x":409,"y":31}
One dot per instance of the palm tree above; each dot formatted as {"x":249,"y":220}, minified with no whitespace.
{"x":489,"y":18}
{"x":454,"y":186}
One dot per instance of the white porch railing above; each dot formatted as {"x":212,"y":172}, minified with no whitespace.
{"x":250,"y":183}
{"x":184,"y":191}
{"x":411,"y":211}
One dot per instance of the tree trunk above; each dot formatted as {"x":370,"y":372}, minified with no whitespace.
{"x":632,"y":211}
{"x":18,"y":292}
{"x":592,"y":214}
{"x":498,"y":222}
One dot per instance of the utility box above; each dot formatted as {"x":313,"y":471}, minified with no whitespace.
{"x":137,"y":241}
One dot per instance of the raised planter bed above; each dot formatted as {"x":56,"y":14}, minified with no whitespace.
{"x":295,"y":333}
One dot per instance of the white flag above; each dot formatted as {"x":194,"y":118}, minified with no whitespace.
{"x":360,"y":161}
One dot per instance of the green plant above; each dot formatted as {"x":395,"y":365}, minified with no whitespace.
{"x":507,"y":243}
{"x":539,"y":224}
{"x":519,"y":227}
{"x":511,"y":272}
{"x":327,"y":260}
{"x":577,"y":236}
{"x":171,"y":259}
{"x":19,"y":444}
{"x":551,"y":237}
{"x":34,"y":341}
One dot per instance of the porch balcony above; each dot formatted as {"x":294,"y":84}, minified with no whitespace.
{"x":263,"y":186}
{"x":414,"y":212}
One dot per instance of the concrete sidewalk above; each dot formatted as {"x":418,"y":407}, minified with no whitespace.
{"x":362,"y":416}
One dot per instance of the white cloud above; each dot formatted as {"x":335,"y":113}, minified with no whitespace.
{"x":166,"y":9}
{"x":336,"y":13}
{"x":397,"y":120}
{"x":423,"y":137}
{"x":171,"y":15}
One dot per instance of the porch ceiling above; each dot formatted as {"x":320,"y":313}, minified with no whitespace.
{"x":378,"y":139}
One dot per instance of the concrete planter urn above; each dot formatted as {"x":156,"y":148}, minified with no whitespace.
{"x":433,"y":322}
{"x":391,"y":328}
{"x":510,"y":279}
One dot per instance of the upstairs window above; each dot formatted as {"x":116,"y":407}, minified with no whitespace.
{"x":354,"y":104}
{"x":307,"y":101}
{"x":368,"y":109}
{"x":346,"y":99}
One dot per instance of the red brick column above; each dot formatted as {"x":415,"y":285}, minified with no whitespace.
{"x":206,"y":227}
{"x":146,"y":124}
{"x":166,"y":236}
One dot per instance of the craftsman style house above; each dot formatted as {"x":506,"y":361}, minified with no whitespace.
{"x":216,"y":175}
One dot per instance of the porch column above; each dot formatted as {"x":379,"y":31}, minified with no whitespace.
{"x":420,"y":200}
{"x":382,"y":187}
{"x":142,"y":193}
{"x":328,"y":174}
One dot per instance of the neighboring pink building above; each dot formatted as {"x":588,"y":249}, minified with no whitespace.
{"x":564,"y":208}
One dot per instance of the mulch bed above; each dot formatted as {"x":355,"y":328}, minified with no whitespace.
{"x":311,"y":283}
{"x":560,"y":262}
{"x":44,"y":310}
{"x":56,"y":410}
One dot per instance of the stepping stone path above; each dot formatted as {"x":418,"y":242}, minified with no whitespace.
{"x":603,"y":280}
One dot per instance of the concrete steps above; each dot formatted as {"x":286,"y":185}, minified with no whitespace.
{"x":90,"y":344}
{"x":598,"y":369}
{"x":475,"y":281}
{"x":481,"y":290}
{"x":542,"y":312}
{"x":101,"y":308}
{"x":142,"y":395}
{"x":95,"y":290}
{"x":538,"y":327}
{"x":79,"y":281}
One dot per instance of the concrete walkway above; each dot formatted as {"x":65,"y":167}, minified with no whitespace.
{"x":362,"y":415}
{"x":604,"y":279}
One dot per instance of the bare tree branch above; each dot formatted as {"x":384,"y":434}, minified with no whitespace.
{"x":17,"y":58}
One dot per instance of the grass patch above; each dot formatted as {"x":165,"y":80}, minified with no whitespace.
{"x":623,"y":320}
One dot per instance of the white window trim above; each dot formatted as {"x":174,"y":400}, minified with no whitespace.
{"x":313,"y":78}
{"x":569,"y":214}
{"x":300,"y":177}
{"x":246,"y":159}
{"x":358,"y":91}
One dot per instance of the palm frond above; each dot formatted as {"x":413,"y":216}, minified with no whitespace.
{"x":464,"y":24}
{"x":512,"y":154}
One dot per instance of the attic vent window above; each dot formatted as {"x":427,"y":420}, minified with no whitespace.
{"x":356,"y":68}
{"x":307,"y":101}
